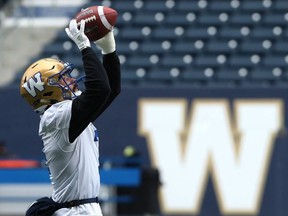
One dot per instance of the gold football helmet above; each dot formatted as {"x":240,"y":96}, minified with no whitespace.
{"x":40,"y":85}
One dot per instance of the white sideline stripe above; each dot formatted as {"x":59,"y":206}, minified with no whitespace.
{"x":103,"y":18}
{"x":25,"y":190}
{"x":36,"y":22}
{"x":15,"y":198}
{"x":47,"y":3}
{"x":18,"y":208}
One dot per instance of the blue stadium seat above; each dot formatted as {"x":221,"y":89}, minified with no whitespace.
{"x":187,"y":6}
{"x":178,"y":19}
{"x":274,"y":60}
{"x":195,"y":74}
{"x":253,"y":47}
{"x":129,"y":75}
{"x":254,"y":6}
{"x":285,"y":74}
{"x":285,"y":33}
{"x":165,"y":33}
{"x":220,"y":46}
{"x":123,"y":6}
{"x":172,"y":60}
{"x":262,"y":32}
{"x":209,"y":19}
{"x":221,"y":6}
{"x":145,"y":19}
{"x":152,"y":47}
{"x":123,"y":22}
{"x":158,"y":75}
{"x":139,"y":61}
{"x":241,"y":19}
{"x":281,"y":5}
{"x":239,"y":60}
{"x":274,"y":19}
{"x":230,"y":32}
{"x":205,"y":60}
{"x":132,"y":34}
{"x":186,"y":47}
{"x":198,"y":32}
{"x":161,"y":74}
{"x":281,"y":46}
{"x":264,"y":73}
{"x":124,"y":48}
{"x":155,"y":6}
{"x":231,"y":73}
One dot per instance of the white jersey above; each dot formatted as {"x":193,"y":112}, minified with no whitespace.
{"x":73,"y":166}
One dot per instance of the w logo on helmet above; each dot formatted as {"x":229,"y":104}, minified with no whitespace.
{"x":34,"y":83}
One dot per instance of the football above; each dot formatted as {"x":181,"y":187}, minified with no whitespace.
{"x":99,"y":20}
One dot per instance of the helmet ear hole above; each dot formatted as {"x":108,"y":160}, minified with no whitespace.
{"x":48,"y":93}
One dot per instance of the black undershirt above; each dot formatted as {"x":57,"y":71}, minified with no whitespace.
{"x":102,"y":85}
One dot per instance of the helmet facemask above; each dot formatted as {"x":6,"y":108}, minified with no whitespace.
{"x":66,"y":82}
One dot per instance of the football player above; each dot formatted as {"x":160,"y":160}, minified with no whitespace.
{"x":66,"y":114}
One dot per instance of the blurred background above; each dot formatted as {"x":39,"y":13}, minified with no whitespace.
{"x":200,"y":125}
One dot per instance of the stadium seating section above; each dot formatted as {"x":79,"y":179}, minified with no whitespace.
{"x":195,"y":42}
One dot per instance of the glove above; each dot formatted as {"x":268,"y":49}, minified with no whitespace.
{"x":107,"y":43}
{"x":77,"y":36}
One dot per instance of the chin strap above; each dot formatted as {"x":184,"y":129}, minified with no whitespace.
{"x":76,"y":94}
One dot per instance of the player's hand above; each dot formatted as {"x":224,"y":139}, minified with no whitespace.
{"x":76,"y":35}
{"x":106,"y":44}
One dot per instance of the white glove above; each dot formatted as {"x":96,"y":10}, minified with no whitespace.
{"x":77,"y":36}
{"x":107,"y":43}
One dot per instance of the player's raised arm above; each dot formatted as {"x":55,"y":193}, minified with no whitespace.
{"x":111,"y":63}
{"x":90,"y":103}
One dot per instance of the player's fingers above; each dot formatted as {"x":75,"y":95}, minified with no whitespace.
{"x":73,"y":26}
{"x":82,"y":26}
{"x":68,"y":33}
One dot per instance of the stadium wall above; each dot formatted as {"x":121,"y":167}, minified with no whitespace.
{"x":219,"y":151}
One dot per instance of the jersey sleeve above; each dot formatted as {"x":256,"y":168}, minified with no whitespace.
{"x":111,"y":64}
{"x":91,"y":102}
{"x":57,"y":118}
